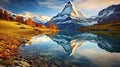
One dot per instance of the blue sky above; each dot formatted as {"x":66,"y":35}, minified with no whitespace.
{"x":52,"y":7}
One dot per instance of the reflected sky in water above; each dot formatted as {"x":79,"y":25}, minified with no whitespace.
{"x":81,"y":49}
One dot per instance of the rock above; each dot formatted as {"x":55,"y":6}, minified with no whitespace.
{"x":73,"y":65}
{"x":57,"y":62}
{"x":1,"y":59}
{"x":2,"y":66}
{"x":17,"y":66}
{"x":24,"y":63}
{"x":16,"y":62}
{"x":43,"y":65}
{"x":53,"y":65}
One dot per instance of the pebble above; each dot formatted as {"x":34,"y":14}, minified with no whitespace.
{"x":24,"y":63}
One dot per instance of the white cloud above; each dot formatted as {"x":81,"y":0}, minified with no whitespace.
{"x":40,"y":38}
{"x":31,"y":15}
{"x":52,"y":4}
{"x":92,"y":7}
{"x":48,"y":18}
{"x":57,"y":7}
{"x":95,"y":4}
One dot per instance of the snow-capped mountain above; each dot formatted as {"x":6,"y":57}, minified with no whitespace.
{"x":69,"y":18}
{"x":109,"y":14}
{"x":71,"y":11}
{"x":40,"y":19}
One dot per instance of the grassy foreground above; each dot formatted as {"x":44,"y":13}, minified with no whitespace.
{"x":12,"y":28}
{"x":13,"y":35}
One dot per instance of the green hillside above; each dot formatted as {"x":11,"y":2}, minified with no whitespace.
{"x":114,"y":26}
{"x":110,"y":29}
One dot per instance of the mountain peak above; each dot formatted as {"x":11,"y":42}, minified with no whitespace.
{"x":72,"y":11}
{"x":70,"y":2}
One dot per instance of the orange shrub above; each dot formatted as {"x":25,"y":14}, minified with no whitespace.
{"x":30,"y":22}
{"x":8,"y":46}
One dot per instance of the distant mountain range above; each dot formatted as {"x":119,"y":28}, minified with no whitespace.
{"x":108,"y":19}
{"x":71,"y":18}
{"x":109,"y":14}
{"x":36,"y":18}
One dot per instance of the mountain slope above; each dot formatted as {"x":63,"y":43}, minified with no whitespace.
{"x":110,"y":14}
{"x":69,"y":18}
{"x":108,"y":20}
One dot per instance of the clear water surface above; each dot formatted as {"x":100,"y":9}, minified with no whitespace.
{"x":75,"y":48}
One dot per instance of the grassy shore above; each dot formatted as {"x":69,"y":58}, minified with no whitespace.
{"x":107,"y":33}
{"x":113,"y":26}
{"x":12,"y":28}
{"x":109,"y":29}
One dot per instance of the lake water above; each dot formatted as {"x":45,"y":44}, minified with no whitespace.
{"x":74,"y":49}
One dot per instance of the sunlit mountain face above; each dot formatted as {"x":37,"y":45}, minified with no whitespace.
{"x":78,"y":47}
{"x":69,"y":18}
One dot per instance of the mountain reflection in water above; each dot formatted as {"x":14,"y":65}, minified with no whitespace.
{"x":75,"y":48}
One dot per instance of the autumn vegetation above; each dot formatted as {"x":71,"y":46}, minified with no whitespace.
{"x":6,"y":16}
{"x":16,"y":31}
{"x":12,"y":36}
{"x":8,"y":46}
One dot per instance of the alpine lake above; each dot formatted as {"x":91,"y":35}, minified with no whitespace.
{"x":72,"y":49}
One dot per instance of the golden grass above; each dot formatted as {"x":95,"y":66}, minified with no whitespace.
{"x":16,"y":29}
{"x":110,"y":29}
{"x":114,"y":26}
{"x":12,"y":28}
